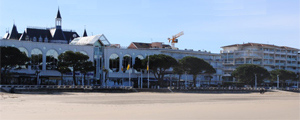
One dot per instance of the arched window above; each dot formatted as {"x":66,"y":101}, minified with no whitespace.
{"x":140,"y":57}
{"x":127,"y":60}
{"x":24,"y":50}
{"x":83,"y":52}
{"x":51,"y":59}
{"x":114,"y":62}
{"x":138,"y":61}
{"x":36,"y":59}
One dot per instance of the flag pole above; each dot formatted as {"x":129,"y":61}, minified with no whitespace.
{"x":148,"y":70}
{"x":128,"y":67}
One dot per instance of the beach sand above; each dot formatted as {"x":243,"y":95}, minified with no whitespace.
{"x":158,"y":106}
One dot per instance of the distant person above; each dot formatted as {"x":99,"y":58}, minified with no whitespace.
{"x":262,"y":91}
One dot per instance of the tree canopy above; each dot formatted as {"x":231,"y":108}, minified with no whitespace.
{"x":246,"y":74}
{"x":178,"y":69}
{"x":158,"y":64}
{"x":195,"y":66}
{"x":75,"y":60}
{"x":138,"y":65}
{"x":283,"y":75}
{"x":10,"y":58}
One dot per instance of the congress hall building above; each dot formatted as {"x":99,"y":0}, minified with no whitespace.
{"x":47,"y":43}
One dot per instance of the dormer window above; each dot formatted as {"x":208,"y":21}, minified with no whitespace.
{"x":40,"y":39}
{"x":34,"y":39}
{"x":46,"y":39}
{"x":27,"y":38}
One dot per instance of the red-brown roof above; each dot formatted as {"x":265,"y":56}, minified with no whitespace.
{"x":138,"y":45}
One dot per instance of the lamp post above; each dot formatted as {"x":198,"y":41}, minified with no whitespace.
{"x":37,"y":76}
{"x":170,"y":81}
{"x":148,"y":70}
{"x":141,"y":78}
{"x":185,"y":82}
{"x":255,"y":81}
{"x":277,"y":81}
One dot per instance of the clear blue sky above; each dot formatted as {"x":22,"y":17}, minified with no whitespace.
{"x":207,"y":24}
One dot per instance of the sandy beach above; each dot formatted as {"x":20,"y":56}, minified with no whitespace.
{"x":162,"y":106}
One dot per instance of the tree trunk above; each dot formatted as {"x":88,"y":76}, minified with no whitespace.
{"x":178,"y":85}
{"x":74,"y":80}
{"x":61,"y":78}
{"x":4,"y":80}
{"x":84,"y":78}
{"x":194,"y":80}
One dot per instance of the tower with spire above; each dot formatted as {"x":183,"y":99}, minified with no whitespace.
{"x":58,"y":20}
{"x":52,"y":35}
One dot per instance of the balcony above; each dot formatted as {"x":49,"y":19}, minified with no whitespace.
{"x":290,"y":69}
{"x":281,"y":64}
{"x":228,"y":69}
{"x":268,"y":63}
{"x":291,"y":64}
{"x":257,"y":63}
{"x":239,"y":62}
{"x":228,"y":63}
{"x":292,"y":59}
{"x":266,"y":57}
{"x":280,"y":58}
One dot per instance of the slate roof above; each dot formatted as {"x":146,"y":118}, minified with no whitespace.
{"x":84,"y":33}
{"x":70,"y":35}
{"x":14,"y":33}
{"x":51,"y":34}
{"x":58,"y":35}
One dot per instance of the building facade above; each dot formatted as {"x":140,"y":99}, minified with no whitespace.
{"x":116,"y":58}
{"x":44,"y":45}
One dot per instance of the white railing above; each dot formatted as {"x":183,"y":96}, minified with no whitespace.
{"x":64,"y":87}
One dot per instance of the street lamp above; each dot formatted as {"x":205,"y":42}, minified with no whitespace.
{"x":277,"y":81}
{"x":37,"y":76}
{"x":185,"y":82}
{"x":255,"y":81}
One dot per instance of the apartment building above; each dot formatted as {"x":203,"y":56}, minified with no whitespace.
{"x":268,"y":56}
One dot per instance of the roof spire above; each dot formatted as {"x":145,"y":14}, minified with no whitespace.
{"x":58,"y":20}
{"x":84,"y":33}
{"x":58,"y":14}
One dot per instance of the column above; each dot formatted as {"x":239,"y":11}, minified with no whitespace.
{"x":29,"y":55}
{"x":44,"y":62}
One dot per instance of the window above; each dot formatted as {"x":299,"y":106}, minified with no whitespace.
{"x":46,"y":39}
{"x":34,"y":39}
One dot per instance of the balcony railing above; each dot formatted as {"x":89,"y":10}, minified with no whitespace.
{"x":281,"y":64}
{"x":228,"y":62}
{"x":256,"y":62}
{"x":239,"y":62}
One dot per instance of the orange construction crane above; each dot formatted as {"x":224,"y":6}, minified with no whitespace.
{"x":174,"y":39}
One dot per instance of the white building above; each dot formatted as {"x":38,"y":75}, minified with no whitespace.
{"x":115,"y":60}
{"x":47,"y":67}
{"x":268,"y":56}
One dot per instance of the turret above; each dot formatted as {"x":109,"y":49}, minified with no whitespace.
{"x":58,"y":20}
